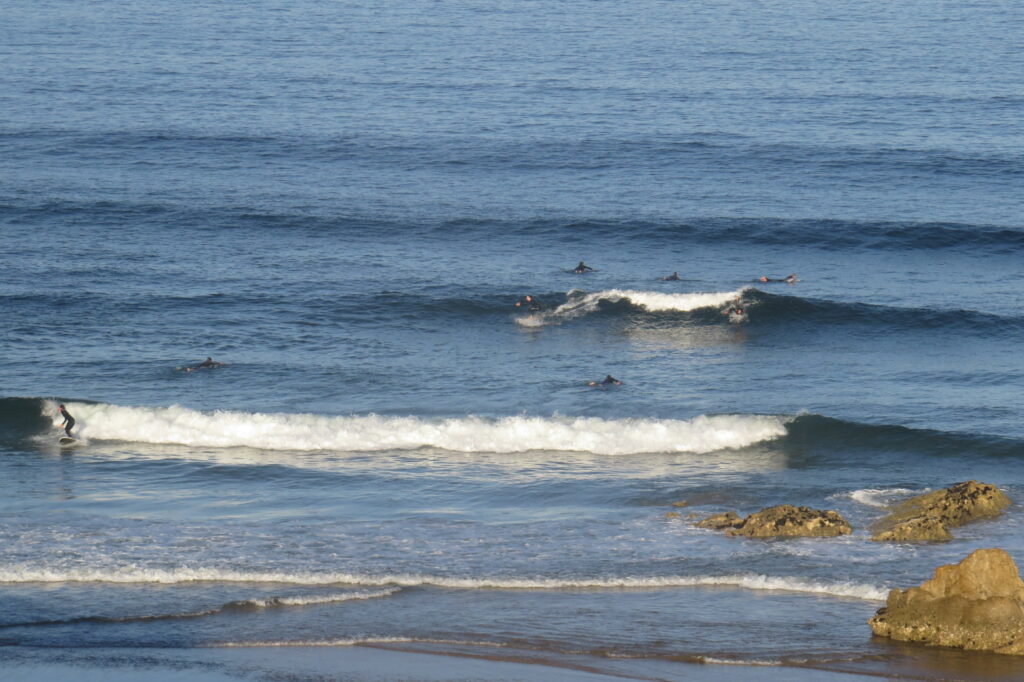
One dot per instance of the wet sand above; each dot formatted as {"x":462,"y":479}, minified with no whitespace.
{"x":363,"y":663}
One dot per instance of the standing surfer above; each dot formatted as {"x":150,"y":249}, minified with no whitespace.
{"x":530,"y":303}
{"x":69,"y":421}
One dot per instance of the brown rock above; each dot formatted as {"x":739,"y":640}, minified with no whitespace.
{"x":977,"y":604}
{"x":720,"y":521}
{"x":927,"y":517}
{"x":786,"y":520}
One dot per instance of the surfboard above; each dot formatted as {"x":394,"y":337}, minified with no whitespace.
{"x":65,"y":440}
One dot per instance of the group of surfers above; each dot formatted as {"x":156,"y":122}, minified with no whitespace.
{"x":531,"y":303}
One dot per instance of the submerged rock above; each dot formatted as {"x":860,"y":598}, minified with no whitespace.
{"x":720,"y":521}
{"x":977,"y":604}
{"x":782,"y":521}
{"x":928,"y":517}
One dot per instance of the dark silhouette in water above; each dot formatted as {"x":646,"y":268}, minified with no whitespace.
{"x":208,"y":363}
{"x":788,"y":279}
{"x":609,"y":380}
{"x":581,"y":268}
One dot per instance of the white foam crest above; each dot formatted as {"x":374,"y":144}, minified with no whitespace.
{"x":735,"y":661}
{"x":580,"y":303}
{"x":354,"y":641}
{"x":276,"y":431}
{"x":310,"y":600}
{"x":183,"y":575}
{"x":656,"y":301}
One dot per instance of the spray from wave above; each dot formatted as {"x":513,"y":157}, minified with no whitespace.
{"x":309,"y":432}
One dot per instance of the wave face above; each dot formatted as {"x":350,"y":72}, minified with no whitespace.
{"x":308,"y":432}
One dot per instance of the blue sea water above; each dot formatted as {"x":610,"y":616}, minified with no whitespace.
{"x":343,"y":201}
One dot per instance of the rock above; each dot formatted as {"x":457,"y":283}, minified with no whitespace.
{"x":927,"y":517}
{"x":720,"y":521}
{"x":782,"y":521}
{"x":917,"y":529}
{"x":672,"y":515}
{"x":681,"y":503}
{"x":977,"y":604}
{"x":786,"y":520}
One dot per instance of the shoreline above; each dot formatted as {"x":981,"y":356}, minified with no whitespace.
{"x":378,"y":662}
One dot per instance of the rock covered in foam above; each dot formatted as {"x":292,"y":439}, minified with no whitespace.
{"x":977,"y":604}
{"x":928,"y":517}
{"x":784,"y":520}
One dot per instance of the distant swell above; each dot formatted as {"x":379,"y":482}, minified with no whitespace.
{"x":830,"y":234}
{"x":309,"y":432}
{"x":184,"y":575}
{"x":790,"y":310}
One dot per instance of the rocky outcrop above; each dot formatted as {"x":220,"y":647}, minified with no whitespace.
{"x":784,"y":520}
{"x":977,"y":604}
{"x":928,"y":517}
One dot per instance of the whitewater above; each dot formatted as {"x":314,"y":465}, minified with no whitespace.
{"x":308,"y":432}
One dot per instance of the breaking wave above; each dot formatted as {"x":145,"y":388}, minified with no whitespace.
{"x":581,"y":303}
{"x":310,"y":432}
{"x":185,"y":575}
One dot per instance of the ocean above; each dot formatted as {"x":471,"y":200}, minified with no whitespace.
{"x":343,"y":201}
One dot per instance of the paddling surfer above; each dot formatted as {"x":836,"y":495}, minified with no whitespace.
{"x":609,"y":380}
{"x":581,"y":268}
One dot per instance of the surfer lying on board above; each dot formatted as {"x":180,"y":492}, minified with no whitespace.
{"x":788,"y":279}
{"x":674,"y":277}
{"x":530,"y":303}
{"x":208,"y":363}
{"x":69,"y":421}
{"x":581,"y":268}
{"x":609,"y":380}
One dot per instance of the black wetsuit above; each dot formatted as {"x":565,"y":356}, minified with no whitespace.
{"x":581,"y":268}
{"x":674,"y":277}
{"x":531,"y":304}
{"x":69,"y":421}
{"x":610,"y":380}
